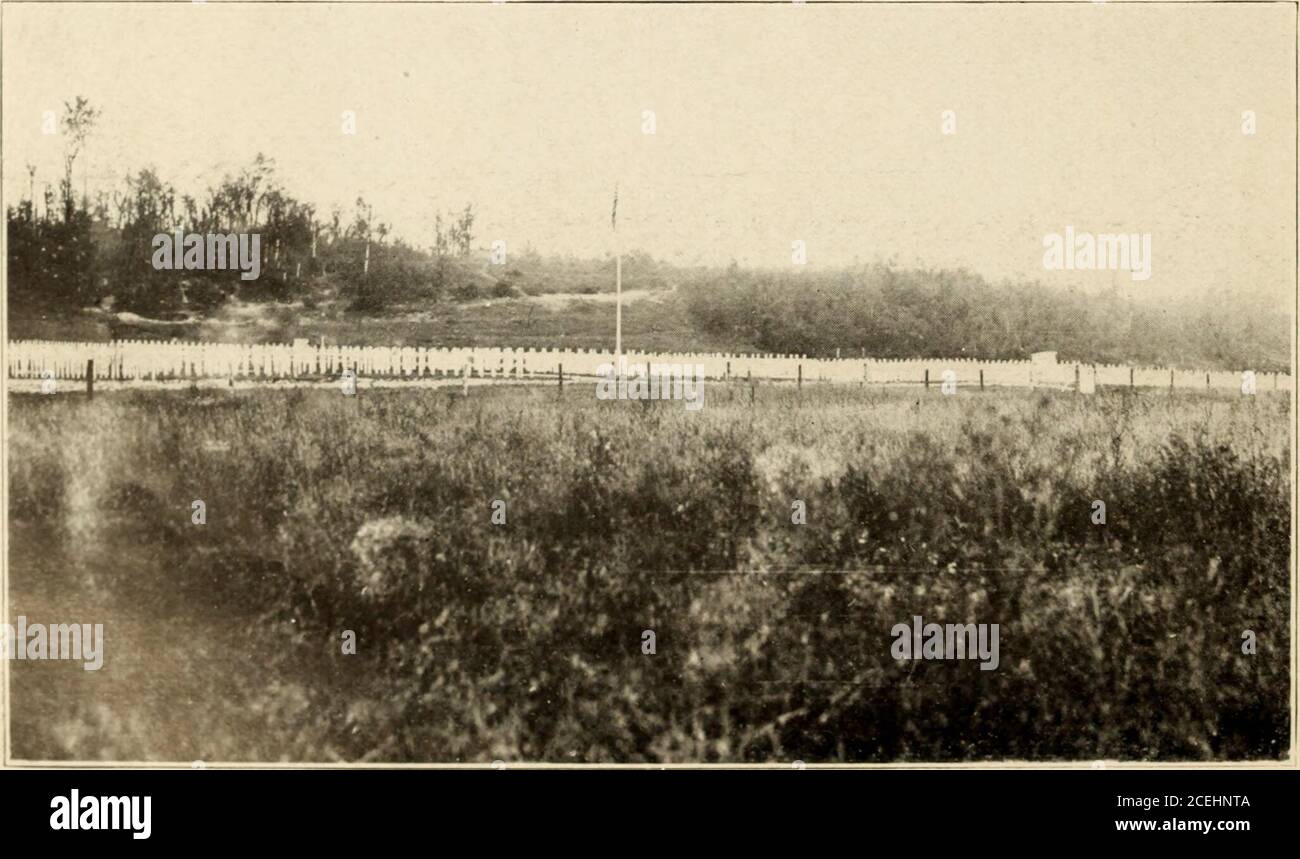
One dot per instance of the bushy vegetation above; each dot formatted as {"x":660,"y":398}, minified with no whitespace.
{"x":90,"y":251}
{"x":523,"y":641}
{"x":67,"y":252}
{"x":886,"y":312}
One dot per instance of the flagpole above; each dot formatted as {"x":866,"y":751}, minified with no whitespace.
{"x":618,"y":285}
{"x":618,"y":304}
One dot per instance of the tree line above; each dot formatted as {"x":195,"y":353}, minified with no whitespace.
{"x":74,"y":250}
{"x":70,"y":251}
{"x":885,"y":312}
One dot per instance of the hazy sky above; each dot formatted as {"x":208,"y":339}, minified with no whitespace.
{"x":773,"y":123}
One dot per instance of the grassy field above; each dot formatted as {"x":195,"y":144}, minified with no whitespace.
{"x":523,"y":641}
{"x":655,"y":321}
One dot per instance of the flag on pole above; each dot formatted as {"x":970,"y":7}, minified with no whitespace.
{"x":613,"y":215}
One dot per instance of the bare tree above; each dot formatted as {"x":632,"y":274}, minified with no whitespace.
{"x":462,"y":231}
{"x":441,"y":250}
{"x":78,"y":121}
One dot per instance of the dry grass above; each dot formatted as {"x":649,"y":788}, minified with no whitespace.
{"x":523,"y":641}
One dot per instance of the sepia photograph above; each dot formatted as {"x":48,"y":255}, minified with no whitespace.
{"x":782,"y":385}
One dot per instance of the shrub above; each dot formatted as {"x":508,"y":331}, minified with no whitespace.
{"x":524,"y":640}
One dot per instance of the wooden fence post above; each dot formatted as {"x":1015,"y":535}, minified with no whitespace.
{"x":981,"y":378}
{"x":927,"y":377}
{"x":801,"y":377}
{"x":90,"y":377}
